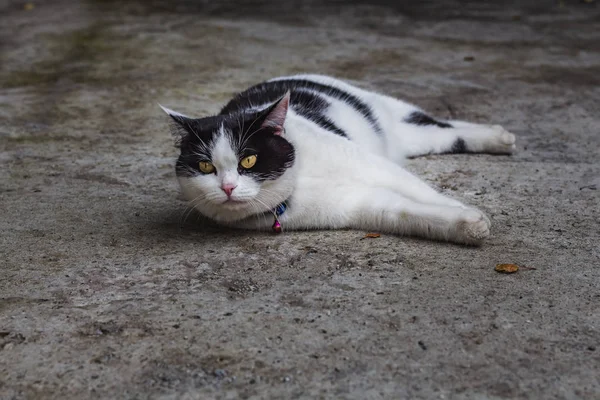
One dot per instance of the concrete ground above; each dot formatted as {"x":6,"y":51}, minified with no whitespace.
{"x":109,"y":289}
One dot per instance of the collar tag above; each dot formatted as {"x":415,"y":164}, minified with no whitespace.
{"x":278,"y":211}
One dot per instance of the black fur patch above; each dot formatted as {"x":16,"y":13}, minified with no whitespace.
{"x":419,"y":118}
{"x":274,"y":155}
{"x":196,"y":138}
{"x":303,"y":100}
{"x":459,"y":146}
{"x":313,"y":107}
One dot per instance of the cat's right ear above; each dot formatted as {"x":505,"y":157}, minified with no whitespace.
{"x":275,"y":115}
{"x":180,"y":129}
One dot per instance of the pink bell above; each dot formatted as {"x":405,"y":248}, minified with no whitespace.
{"x":276,"y":227}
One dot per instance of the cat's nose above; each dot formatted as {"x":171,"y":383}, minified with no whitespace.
{"x":228,"y":189}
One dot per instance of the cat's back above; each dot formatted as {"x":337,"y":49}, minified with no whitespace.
{"x":327,"y":103}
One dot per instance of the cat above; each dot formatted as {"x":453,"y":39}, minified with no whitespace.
{"x":314,"y":152}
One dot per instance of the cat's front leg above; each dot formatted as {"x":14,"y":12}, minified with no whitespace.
{"x":365,"y":207}
{"x":384,"y":210}
{"x":387,"y":211}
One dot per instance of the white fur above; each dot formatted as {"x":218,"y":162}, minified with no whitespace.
{"x":171,"y":112}
{"x":357,"y":183}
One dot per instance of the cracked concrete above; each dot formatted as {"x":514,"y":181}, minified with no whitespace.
{"x":110,"y":289}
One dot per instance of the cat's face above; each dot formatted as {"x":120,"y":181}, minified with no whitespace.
{"x":231,"y":167}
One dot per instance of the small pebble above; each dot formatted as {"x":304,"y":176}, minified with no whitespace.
{"x":220,"y":373}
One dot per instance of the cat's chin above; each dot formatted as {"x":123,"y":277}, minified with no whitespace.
{"x":229,"y":215}
{"x":231,"y":211}
{"x":233,"y":202}
{"x":235,"y":205}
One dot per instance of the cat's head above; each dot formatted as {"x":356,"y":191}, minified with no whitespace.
{"x":234,"y":166}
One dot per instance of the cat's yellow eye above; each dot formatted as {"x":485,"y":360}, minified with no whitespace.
{"x":206,"y":167}
{"x":248,"y":162}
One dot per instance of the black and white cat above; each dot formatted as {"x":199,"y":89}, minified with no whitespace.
{"x":313,"y":152}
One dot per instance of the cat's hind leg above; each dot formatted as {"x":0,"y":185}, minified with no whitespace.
{"x":420,"y":135}
{"x":414,"y":133}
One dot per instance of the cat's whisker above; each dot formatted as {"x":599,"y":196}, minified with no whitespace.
{"x":259,"y":213}
{"x":245,"y":136}
{"x":272,"y":192}
{"x":240,"y":129}
{"x":184,"y":215}
{"x":266,"y":211}
{"x":187,"y":212}
{"x":190,"y":207}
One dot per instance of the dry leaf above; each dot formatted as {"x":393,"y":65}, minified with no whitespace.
{"x":371,"y":235}
{"x":28,"y":6}
{"x":507,"y":268}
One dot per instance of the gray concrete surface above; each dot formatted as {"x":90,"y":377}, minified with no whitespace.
{"x":107,"y":290}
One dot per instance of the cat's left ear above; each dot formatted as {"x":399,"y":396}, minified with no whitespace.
{"x":177,"y":117}
{"x":182,"y":126}
{"x":277,"y":113}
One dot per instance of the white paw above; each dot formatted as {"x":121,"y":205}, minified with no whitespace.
{"x":472,"y":227}
{"x":502,"y":141}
